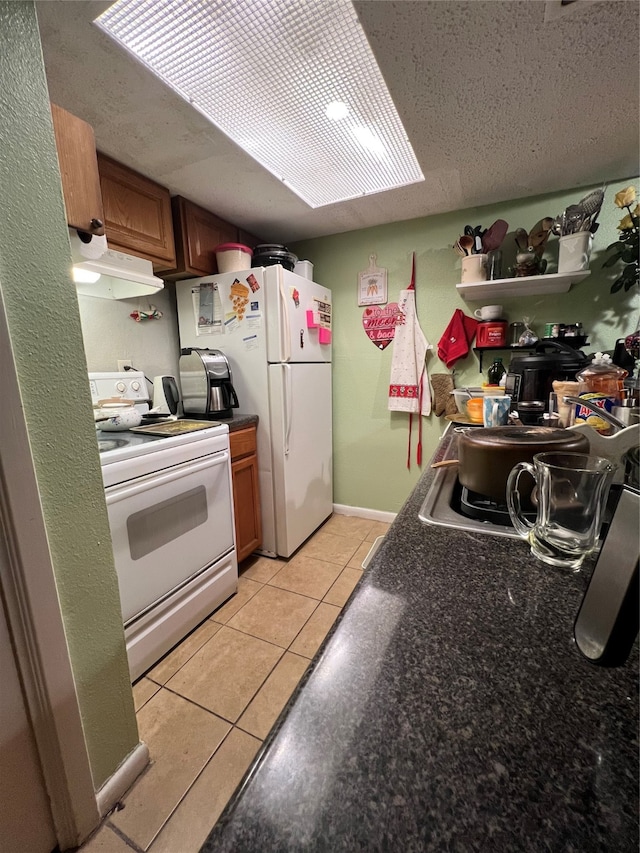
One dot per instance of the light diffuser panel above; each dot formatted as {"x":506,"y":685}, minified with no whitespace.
{"x":265,"y":72}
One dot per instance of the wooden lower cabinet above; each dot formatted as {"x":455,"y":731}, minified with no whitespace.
{"x":246,"y":495}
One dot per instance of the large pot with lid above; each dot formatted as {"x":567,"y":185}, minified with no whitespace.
{"x":486,"y":456}
{"x":530,"y":378}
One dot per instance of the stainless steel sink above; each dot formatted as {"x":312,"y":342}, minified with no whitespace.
{"x":442,"y":502}
{"x":439,"y":507}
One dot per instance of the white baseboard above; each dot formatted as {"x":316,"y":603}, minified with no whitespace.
{"x":362,"y":512}
{"x":122,"y":779}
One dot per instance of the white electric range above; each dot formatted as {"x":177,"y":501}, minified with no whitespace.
{"x":170,"y":506}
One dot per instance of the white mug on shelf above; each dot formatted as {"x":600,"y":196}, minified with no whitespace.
{"x":488,"y":312}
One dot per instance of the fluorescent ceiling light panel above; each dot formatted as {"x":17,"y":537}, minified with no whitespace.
{"x":265,"y":72}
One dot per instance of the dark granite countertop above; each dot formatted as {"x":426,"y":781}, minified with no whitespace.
{"x":449,"y":710}
{"x":239,"y":421}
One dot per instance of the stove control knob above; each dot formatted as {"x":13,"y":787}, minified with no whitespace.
{"x":135,"y":385}
{"x":121,"y":387}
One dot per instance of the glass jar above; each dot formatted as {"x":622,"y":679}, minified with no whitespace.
{"x":602,"y":383}
{"x":602,"y":376}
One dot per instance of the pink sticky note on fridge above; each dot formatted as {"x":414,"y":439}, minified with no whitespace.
{"x":312,"y":322}
{"x":324,"y":336}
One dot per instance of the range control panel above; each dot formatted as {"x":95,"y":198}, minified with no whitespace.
{"x":129,"y":385}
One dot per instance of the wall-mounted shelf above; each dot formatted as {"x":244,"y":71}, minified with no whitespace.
{"x":479,"y":351}
{"x":532,"y":285}
{"x":516,"y":348}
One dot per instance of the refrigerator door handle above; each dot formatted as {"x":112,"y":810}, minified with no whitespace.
{"x":286,"y":398}
{"x":283,"y":311}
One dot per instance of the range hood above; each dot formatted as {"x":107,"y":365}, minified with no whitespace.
{"x":105,"y":273}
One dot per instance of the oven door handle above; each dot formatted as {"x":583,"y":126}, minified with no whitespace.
{"x":123,"y":491}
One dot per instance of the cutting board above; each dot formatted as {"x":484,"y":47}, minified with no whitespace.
{"x":174,"y":427}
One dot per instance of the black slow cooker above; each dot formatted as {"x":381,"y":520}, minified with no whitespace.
{"x":268,"y":254}
{"x":530,"y":378}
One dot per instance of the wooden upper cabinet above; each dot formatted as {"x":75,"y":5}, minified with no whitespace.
{"x":76,"y":146}
{"x":248,"y":239}
{"x":137,"y":213}
{"x":197,"y":233}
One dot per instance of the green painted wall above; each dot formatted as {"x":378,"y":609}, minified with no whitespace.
{"x":42,"y":312}
{"x":370,"y":443}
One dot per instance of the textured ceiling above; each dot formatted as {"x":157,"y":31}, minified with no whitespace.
{"x":501,"y":100}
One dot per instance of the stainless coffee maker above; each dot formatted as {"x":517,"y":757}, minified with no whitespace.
{"x":207,"y":389}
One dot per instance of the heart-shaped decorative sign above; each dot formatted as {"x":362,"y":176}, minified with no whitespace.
{"x":380,"y":323}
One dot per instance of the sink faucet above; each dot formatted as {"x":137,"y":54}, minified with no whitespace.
{"x":602,"y":413}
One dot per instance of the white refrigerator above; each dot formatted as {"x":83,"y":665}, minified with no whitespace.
{"x":275,"y":329}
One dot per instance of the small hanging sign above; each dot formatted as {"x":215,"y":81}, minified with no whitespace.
{"x":372,"y":284}
{"x":380,"y":323}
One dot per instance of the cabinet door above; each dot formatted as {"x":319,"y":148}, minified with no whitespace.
{"x":197,"y":233}
{"x":76,"y":146}
{"x":249,"y":239}
{"x":246,"y":503}
{"x":137,"y":213}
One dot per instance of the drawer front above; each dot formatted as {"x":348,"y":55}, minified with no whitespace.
{"x":242,"y":442}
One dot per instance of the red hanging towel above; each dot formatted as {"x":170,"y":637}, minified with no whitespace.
{"x":457,"y":337}
{"x":409,"y":389}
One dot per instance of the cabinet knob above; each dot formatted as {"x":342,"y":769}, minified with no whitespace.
{"x":97,"y":227}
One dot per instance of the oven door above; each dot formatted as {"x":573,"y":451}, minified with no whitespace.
{"x":168,"y":526}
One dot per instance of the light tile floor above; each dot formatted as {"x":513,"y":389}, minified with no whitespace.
{"x":206,"y":707}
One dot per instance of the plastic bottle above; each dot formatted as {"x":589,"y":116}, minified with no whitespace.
{"x":496,"y":371}
{"x":601,"y":382}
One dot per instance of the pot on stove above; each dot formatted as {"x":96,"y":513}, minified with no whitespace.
{"x":486,"y":456}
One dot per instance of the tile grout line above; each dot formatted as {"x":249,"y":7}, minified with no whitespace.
{"x":149,"y":848}
{"x":123,"y":837}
